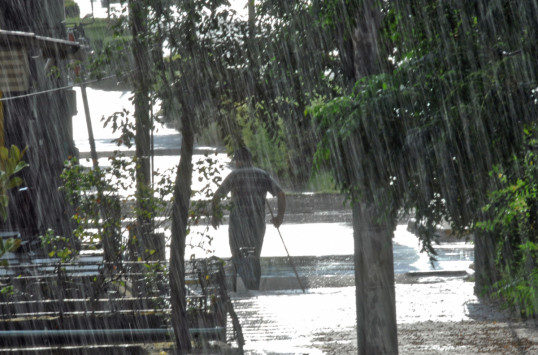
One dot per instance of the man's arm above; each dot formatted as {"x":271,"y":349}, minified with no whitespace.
{"x":281,"y":203}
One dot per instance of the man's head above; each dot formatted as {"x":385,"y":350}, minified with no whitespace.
{"x":242,"y":156}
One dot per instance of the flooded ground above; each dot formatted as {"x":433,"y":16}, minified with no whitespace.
{"x":290,"y":322}
{"x":328,"y":248}
{"x":295,"y":323}
{"x":435,"y":315}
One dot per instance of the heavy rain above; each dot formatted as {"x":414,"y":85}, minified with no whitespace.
{"x":268,"y":177}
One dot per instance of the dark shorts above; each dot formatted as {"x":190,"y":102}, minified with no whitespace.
{"x":247,"y":232}
{"x":249,"y":269}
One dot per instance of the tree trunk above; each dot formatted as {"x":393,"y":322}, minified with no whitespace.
{"x":141,"y":82}
{"x":180,"y":209}
{"x":374,"y":262}
{"x":251,"y":20}
{"x":374,"y":280}
{"x":484,"y":261}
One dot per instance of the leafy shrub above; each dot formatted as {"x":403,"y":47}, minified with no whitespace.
{"x":513,"y":220}
{"x":10,"y":164}
{"x":71,"y":8}
{"x":268,"y":152}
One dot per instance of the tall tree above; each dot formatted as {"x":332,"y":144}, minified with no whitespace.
{"x":425,"y":135}
{"x":362,"y":145}
{"x":193,"y":81}
{"x":141,"y":82}
{"x":470,"y":105}
{"x":179,"y":52}
{"x":373,"y":212}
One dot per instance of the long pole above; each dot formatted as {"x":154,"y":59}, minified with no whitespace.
{"x":93,"y":150}
{"x":287,"y":252}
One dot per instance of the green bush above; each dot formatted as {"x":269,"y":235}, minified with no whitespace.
{"x":513,"y":220}
{"x":71,"y":8}
{"x":321,"y":181}
{"x":269,"y":152}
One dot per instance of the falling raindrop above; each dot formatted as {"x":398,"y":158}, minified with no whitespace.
{"x":402,"y":133}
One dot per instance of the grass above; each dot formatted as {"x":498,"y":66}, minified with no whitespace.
{"x":321,"y":182}
{"x":98,"y":30}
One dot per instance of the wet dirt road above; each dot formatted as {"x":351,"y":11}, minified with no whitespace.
{"x":435,"y":316}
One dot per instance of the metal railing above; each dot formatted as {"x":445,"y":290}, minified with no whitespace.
{"x":86,"y":301}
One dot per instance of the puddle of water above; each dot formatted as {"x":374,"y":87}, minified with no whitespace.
{"x":287,"y":322}
{"x":446,"y":301}
{"x":309,"y":239}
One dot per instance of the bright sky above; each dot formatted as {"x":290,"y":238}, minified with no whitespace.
{"x":99,"y":10}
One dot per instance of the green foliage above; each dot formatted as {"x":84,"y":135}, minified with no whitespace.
{"x":11,"y":163}
{"x":108,"y":44}
{"x":9,"y":245}
{"x":71,"y":8}
{"x":111,"y":46}
{"x":426,"y":133}
{"x":108,"y":214}
{"x":7,"y":291}
{"x":519,"y":293}
{"x":209,"y":171}
{"x":211,"y":136}
{"x":269,"y":151}
{"x":96,"y":196}
{"x":362,"y":144}
{"x":512,"y":212}
{"x":57,"y":246}
{"x":293,"y":64}
{"x":321,"y":181}
{"x":100,"y":33}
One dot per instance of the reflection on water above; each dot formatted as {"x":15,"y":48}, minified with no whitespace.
{"x":290,"y":322}
{"x":287,"y":322}
{"x":326,"y":248}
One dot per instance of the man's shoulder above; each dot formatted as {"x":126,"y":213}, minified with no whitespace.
{"x":250,"y":174}
{"x":251,"y":170}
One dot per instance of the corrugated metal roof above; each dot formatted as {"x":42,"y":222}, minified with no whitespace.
{"x":50,"y":47}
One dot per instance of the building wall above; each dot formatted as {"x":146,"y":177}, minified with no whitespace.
{"x":41,"y":121}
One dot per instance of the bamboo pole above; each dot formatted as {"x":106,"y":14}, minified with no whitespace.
{"x":287,"y":252}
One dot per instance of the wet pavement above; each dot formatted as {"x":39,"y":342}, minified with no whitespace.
{"x":290,"y":322}
{"x":281,"y":319}
{"x":287,"y":322}
{"x":435,"y":315}
{"x":327,"y":249}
